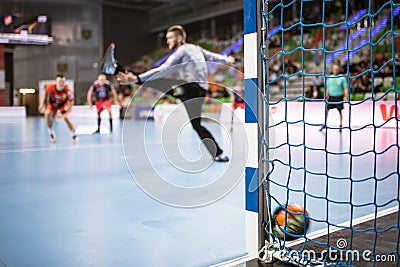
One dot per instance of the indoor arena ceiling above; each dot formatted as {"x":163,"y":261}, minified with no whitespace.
{"x":148,"y":5}
{"x":162,"y":12}
{"x":167,"y":12}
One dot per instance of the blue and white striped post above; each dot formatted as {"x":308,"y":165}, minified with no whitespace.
{"x":252,"y":71}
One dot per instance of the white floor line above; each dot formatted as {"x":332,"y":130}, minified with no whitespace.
{"x":57,"y":147}
{"x":313,"y":235}
{"x":235,"y":262}
{"x":9,"y":122}
{"x":333,"y":229}
{"x":90,"y":129}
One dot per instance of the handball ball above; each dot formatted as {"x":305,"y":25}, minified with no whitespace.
{"x":291,"y":222}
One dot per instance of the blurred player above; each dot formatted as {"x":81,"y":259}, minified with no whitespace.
{"x":195,"y":74}
{"x":102,"y":89}
{"x":58,"y":99}
{"x":336,"y":91}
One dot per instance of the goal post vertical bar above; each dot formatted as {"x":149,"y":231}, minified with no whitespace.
{"x":255,"y":235}
{"x":263,"y":119}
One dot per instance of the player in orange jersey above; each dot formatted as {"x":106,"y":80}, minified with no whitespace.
{"x":58,"y":99}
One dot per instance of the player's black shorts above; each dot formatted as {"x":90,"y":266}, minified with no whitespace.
{"x":332,"y":102}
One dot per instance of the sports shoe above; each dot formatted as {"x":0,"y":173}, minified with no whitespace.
{"x":75,"y":139}
{"x":97,"y":131}
{"x":108,"y":64}
{"x":52,"y":138}
{"x":221,"y":158}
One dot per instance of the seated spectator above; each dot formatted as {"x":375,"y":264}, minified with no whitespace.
{"x":39,"y":26}
{"x":361,"y":84}
{"x":365,"y":83}
{"x":290,"y":68}
{"x":237,"y":97}
{"x":275,"y":41}
{"x":379,"y":61}
{"x":314,"y":91}
{"x":354,"y":87}
{"x":272,"y":77}
{"x":7,"y":24}
{"x":221,"y":93}
{"x":355,"y":68}
{"x":166,"y":99}
{"x":126,"y":95}
{"x":364,"y":63}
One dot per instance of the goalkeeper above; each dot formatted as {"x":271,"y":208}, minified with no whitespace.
{"x":192,"y":69}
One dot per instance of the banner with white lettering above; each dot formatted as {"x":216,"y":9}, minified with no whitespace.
{"x":380,"y":113}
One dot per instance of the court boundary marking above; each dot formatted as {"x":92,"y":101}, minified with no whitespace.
{"x":313,"y":235}
{"x":56,"y":147}
{"x":332,"y":229}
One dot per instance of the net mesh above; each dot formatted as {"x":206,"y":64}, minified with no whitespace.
{"x":342,"y":167}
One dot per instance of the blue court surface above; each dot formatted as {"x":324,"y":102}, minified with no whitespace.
{"x":321,"y":163}
{"x":68,"y":204}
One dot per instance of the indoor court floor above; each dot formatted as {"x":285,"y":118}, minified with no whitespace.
{"x":68,"y":204}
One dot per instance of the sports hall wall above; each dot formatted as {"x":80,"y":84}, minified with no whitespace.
{"x":130,"y":30}
{"x":71,"y":53}
{"x":81,"y":36}
{"x":84,"y":28}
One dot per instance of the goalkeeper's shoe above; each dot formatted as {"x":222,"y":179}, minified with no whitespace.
{"x":108,"y":64}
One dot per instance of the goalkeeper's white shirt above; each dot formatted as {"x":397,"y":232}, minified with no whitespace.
{"x":190,"y":61}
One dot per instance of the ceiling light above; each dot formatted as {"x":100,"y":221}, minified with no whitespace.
{"x":27,"y":91}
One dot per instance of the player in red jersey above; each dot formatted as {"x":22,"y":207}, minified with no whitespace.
{"x":58,"y":99}
{"x":103,"y":90}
